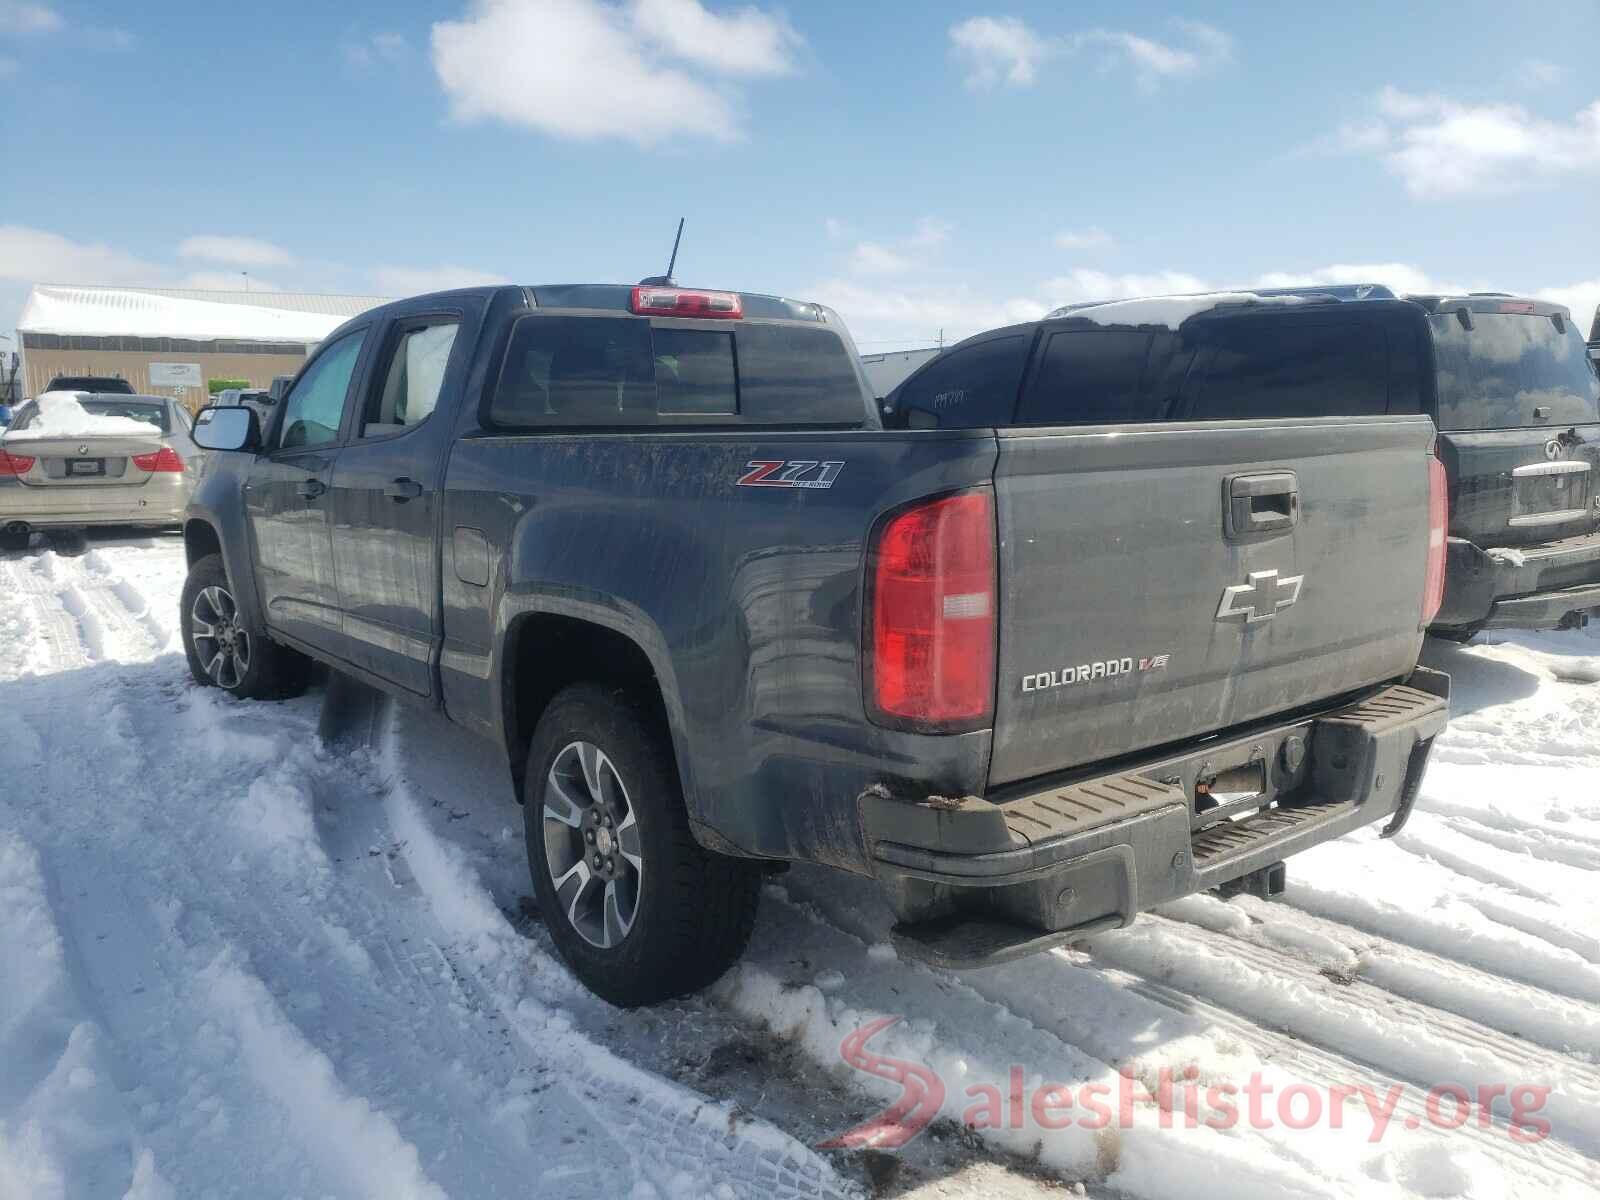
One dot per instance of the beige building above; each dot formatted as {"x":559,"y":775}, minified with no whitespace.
{"x":172,"y":341}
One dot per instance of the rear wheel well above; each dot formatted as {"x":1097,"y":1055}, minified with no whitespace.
{"x":546,"y":653}
{"x":199,"y":540}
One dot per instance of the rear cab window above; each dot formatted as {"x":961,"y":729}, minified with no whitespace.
{"x":1512,"y":371}
{"x":563,"y":369}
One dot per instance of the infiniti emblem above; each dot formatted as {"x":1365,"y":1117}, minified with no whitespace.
{"x":1552,"y":449}
{"x":1261,"y":598}
{"x":83,"y":448}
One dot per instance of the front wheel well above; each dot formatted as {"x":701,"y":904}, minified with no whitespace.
{"x":546,"y":653}
{"x":199,"y":540}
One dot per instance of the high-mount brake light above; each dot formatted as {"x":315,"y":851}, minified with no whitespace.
{"x":649,"y":301}
{"x":14,"y":464}
{"x":1521,"y":307}
{"x":164,"y":459}
{"x":1438,"y":529}
{"x":931,"y":616}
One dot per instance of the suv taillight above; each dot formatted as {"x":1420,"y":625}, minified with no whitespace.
{"x":1438,"y":528}
{"x":14,"y":464}
{"x":931,"y":616}
{"x":164,"y":459}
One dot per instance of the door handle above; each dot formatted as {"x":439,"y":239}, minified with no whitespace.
{"x":1257,"y":504}
{"x":402,"y":490}
{"x":311,"y":488}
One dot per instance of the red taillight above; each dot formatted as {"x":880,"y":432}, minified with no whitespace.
{"x":683,"y":302}
{"x":14,"y":464}
{"x":932,"y":616}
{"x":164,"y":459}
{"x":1438,"y":528}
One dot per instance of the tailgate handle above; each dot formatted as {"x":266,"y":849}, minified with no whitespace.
{"x":1266,"y":503}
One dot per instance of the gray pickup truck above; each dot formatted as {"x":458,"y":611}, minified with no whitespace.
{"x":657,"y":544}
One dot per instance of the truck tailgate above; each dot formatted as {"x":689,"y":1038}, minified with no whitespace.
{"x":1162,"y":582}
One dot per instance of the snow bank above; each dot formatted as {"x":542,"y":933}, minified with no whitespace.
{"x":61,"y":414}
{"x":1170,"y":311}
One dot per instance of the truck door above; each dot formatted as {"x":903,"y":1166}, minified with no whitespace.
{"x":286,"y":499}
{"x":384,"y":503}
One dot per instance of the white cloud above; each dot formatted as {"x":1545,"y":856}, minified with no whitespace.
{"x":36,"y":256}
{"x":226,"y":281}
{"x":1000,"y":48}
{"x":1443,"y":147}
{"x":29,"y":18}
{"x":1539,"y":73}
{"x":239,"y":251}
{"x":1581,"y":299}
{"x":413,"y":281}
{"x":835,"y":228}
{"x":1008,"y":50}
{"x":590,"y":69}
{"x":878,"y":258}
{"x":1402,"y":278}
{"x":1093,"y":238}
{"x":746,"y":42}
{"x":370,"y":50}
{"x":914,"y":316}
{"x":871,"y":258}
{"x":1084,"y":284}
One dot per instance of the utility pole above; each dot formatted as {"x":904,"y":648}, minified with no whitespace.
{"x":246,"y":275}
{"x":941,"y":338}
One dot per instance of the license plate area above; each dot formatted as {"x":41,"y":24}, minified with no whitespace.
{"x":1550,"y":492}
{"x":81,"y":467}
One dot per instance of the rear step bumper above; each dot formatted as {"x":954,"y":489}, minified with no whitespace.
{"x":979,"y":881}
{"x":1548,"y":586}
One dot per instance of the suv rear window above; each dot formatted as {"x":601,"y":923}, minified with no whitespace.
{"x":622,"y":371}
{"x":1256,"y":370}
{"x":1511,"y":371}
{"x":968,"y":387}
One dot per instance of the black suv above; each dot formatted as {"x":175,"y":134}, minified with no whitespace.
{"x":1508,"y":381}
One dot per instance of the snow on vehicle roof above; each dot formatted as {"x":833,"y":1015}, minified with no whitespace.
{"x":137,"y":312}
{"x":62,"y":415}
{"x":1170,"y":311}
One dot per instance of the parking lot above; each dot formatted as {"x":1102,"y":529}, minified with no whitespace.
{"x":246,"y":954}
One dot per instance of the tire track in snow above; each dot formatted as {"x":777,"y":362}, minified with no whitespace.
{"x":1356,"y":1020}
{"x":502,"y":972}
{"x":1093,"y":1001}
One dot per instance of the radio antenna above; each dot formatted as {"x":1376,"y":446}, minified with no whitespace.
{"x":666,"y":280}
{"x":673,"y":262}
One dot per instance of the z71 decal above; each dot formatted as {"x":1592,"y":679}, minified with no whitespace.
{"x":790,"y":473}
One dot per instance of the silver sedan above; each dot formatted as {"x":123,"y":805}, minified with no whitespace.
{"x":72,"y":459}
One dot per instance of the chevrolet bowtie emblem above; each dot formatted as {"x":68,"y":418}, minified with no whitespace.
{"x":1261,"y":598}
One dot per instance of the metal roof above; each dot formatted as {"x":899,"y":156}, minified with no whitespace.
{"x":291,"y":317}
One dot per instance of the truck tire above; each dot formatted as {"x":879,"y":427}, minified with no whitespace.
{"x":639,"y":910}
{"x":223,"y":652}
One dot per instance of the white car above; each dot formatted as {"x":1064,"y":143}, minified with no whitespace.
{"x":72,"y":459}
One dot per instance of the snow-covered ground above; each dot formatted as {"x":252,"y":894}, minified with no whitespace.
{"x":235,"y":962}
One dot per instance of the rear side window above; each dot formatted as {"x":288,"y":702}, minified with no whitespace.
{"x":412,"y":378}
{"x":1264,"y":369}
{"x":969,"y":387}
{"x":1090,"y":377}
{"x":1511,"y":371}
{"x":610,"y":371}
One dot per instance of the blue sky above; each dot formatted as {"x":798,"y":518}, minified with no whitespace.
{"x":920,"y":166}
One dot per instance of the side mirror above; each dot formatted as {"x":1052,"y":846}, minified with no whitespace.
{"x":232,"y":428}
